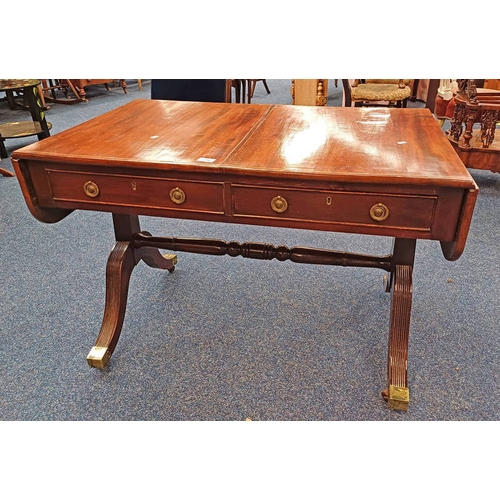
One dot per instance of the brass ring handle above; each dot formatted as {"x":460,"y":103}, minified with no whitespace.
{"x":379,"y":212}
{"x":178,"y":196}
{"x":91,"y":189}
{"x":279,"y":204}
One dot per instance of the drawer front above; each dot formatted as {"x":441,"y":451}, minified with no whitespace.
{"x":135,"y":191}
{"x":358,"y":208}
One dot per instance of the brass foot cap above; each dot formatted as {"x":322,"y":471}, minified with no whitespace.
{"x":98,"y":357}
{"x":171,"y":256}
{"x":398,"y":398}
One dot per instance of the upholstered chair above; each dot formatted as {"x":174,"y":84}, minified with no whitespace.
{"x":382,"y":92}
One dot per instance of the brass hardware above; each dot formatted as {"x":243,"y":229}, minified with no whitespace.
{"x":170,"y":256}
{"x":134,"y":186}
{"x":178,"y":196}
{"x":98,"y":357}
{"x":328,"y":200}
{"x":379,"y":212}
{"x":399,"y":398}
{"x":279,"y":204}
{"x":91,"y":189}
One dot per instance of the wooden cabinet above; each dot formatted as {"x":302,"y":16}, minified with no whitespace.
{"x":492,"y":84}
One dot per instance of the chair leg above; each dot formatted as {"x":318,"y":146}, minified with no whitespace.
{"x":243,"y":90}
{"x":251,"y":90}
{"x":6,"y":173}
{"x":237,"y":90}
{"x":236,"y":84}
{"x":347,"y":93}
{"x":414,"y":90}
{"x":3,"y":149}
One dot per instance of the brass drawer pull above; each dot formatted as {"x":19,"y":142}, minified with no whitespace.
{"x":279,"y":204}
{"x":178,"y":196}
{"x":91,"y":189}
{"x":379,"y":212}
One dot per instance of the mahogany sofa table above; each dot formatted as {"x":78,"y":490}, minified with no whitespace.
{"x":372,"y":171}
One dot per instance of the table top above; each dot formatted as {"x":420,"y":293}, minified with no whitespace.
{"x":365,"y":145}
{"x":10,"y":84}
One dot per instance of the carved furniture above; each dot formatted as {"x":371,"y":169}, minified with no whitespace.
{"x":38,"y":125}
{"x":309,"y":92}
{"x":385,"y":92}
{"x":384,"y":172}
{"x":473,"y":126}
{"x":51,"y":89}
{"x":80,"y":84}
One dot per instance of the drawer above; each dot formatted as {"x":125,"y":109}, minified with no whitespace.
{"x":136,"y":191}
{"x":339,"y":207}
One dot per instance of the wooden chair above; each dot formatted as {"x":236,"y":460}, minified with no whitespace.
{"x":28,"y":91}
{"x":251,"y":88}
{"x":52,"y":87}
{"x":239,"y":91}
{"x":385,"y":92}
{"x":473,"y":125}
{"x":81,"y":84}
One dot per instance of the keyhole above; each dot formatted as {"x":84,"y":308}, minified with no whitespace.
{"x":329,"y":200}
{"x":134,"y":186}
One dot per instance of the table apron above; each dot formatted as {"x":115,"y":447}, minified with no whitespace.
{"x":385,"y":210}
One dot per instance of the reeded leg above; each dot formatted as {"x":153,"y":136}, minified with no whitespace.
{"x":121,"y":262}
{"x":397,"y":394}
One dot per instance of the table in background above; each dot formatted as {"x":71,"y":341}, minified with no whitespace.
{"x":37,"y":126}
{"x":374,"y":171}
